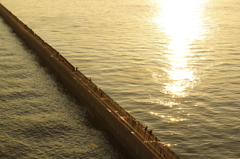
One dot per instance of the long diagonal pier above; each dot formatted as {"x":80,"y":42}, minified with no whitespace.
{"x":139,"y":142}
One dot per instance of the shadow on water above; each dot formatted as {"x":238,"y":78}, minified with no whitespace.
{"x":80,"y":108}
{"x":77,"y":107}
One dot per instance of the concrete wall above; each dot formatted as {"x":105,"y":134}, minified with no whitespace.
{"x":140,"y":143}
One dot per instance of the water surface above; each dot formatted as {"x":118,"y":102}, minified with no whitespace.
{"x":174,"y":65}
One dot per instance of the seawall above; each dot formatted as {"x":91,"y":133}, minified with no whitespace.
{"x":140,"y":143}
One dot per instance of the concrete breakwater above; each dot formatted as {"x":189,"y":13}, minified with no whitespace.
{"x":137,"y":140}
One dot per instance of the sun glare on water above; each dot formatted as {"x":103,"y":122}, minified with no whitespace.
{"x":182,"y":23}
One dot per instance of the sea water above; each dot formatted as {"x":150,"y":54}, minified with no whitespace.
{"x":174,"y":65}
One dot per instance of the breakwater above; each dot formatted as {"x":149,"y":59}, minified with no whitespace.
{"x":139,"y":142}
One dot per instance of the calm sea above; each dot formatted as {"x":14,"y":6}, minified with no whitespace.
{"x":174,"y":65}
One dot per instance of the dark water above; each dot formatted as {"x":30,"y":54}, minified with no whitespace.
{"x":174,"y":65}
{"x":39,"y":119}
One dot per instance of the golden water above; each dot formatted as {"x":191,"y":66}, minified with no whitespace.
{"x":174,"y":65}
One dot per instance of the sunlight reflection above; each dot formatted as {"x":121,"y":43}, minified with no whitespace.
{"x":169,"y":118}
{"x":182,"y":23}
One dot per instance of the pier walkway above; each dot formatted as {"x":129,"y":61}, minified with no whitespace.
{"x":146,"y":139}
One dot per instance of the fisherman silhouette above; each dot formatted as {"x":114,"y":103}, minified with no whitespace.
{"x":150,"y":132}
{"x":146,"y":128}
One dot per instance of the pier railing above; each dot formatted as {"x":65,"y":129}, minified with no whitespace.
{"x":148,"y":139}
